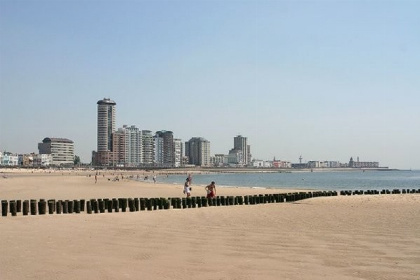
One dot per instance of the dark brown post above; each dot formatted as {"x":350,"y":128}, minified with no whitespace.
{"x":25,"y":208}
{"x":33,"y":207}
{"x":4,"y":206}
{"x":13,"y":207}
{"x":42,"y":207}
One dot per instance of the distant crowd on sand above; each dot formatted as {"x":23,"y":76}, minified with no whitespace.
{"x":210,"y":189}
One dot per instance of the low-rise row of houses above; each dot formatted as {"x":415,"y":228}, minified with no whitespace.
{"x":314,"y":164}
{"x":25,"y":160}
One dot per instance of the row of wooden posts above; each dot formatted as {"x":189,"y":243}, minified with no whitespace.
{"x":52,"y":206}
{"x":394,"y":191}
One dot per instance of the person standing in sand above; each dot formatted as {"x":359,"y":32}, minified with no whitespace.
{"x":211,"y":190}
{"x":187,"y":188}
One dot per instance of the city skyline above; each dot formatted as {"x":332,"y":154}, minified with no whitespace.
{"x":325,"y":80}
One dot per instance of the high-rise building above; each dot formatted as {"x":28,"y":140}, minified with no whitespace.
{"x":240,"y":144}
{"x":147,"y":148}
{"x":119,"y":148}
{"x":61,"y":149}
{"x":127,"y":146}
{"x":106,"y":127}
{"x":106,"y":124}
{"x":177,"y":152}
{"x":197,"y":149}
{"x":168,"y":150}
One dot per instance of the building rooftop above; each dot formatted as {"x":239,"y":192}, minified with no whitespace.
{"x":59,"y":140}
{"x":106,"y":101}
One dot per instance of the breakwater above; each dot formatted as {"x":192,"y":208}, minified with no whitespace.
{"x":114,"y":205}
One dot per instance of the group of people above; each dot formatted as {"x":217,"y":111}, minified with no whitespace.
{"x":211,"y":189}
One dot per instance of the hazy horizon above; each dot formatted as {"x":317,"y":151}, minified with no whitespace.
{"x":322,"y":79}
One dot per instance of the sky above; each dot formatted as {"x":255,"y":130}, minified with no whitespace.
{"x":327,"y":80}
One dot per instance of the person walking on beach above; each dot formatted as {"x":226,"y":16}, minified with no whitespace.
{"x":211,"y":190}
{"x":187,"y":187}
{"x":154,"y":178}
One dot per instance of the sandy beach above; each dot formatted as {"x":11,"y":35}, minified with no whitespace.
{"x":356,"y":237}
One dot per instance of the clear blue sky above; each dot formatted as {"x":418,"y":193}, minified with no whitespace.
{"x":323,"y":79}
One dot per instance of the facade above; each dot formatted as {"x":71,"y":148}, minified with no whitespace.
{"x":178,"y":152}
{"x":219,"y":160}
{"x":118,"y":154}
{"x":43,"y":160}
{"x":197,"y":149}
{"x":148,"y":145}
{"x":106,"y":126}
{"x":158,"y":151}
{"x":281,"y":164}
{"x":9,"y":159}
{"x":236,"y":157}
{"x":240,"y":143}
{"x":61,"y":150}
{"x":168,"y":149}
{"x":363,"y":164}
{"x":133,"y":146}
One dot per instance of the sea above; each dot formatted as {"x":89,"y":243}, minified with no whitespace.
{"x":324,"y":180}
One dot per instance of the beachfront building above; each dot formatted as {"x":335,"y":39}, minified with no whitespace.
{"x":240,"y":144}
{"x":281,"y":164}
{"x":332,"y":164}
{"x":61,"y":150}
{"x":148,"y":146}
{"x":133,"y":146}
{"x":9,"y":159}
{"x":314,"y":164}
{"x":118,"y":149}
{"x":363,"y":164}
{"x":106,"y":127}
{"x":164,"y":149}
{"x":219,"y":160}
{"x":177,"y":152}
{"x":197,"y":149}
{"x":236,"y":158}
{"x":43,"y":160}
{"x":158,"y":151}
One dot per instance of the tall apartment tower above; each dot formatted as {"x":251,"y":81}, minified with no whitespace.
{"x":197,"y":149}
{"x":177,"y":152}
{"x":168,"y":149}
{"x":240,"y":143}
{"x":106,"y":124}
{"x":133,"y":143}
{"x":148,"y":145}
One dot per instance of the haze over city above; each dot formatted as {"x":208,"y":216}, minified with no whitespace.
{"x":325,"y":80}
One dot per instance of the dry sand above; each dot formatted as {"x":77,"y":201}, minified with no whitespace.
{"x":363,"y":237}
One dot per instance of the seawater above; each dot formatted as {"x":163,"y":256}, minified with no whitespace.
{"x":325,"y":180}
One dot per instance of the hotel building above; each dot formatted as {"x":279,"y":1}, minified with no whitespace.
{"x":61,"y":150}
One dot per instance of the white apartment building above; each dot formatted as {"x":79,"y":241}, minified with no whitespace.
{"x":148,"y":144}
{"x":61,"y":150}
{"x":9,"y":159}
{"x":133,"y":146}
{"x":158,"y":150}
{"x":43,"y":160}
{"x":178,"y":152}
